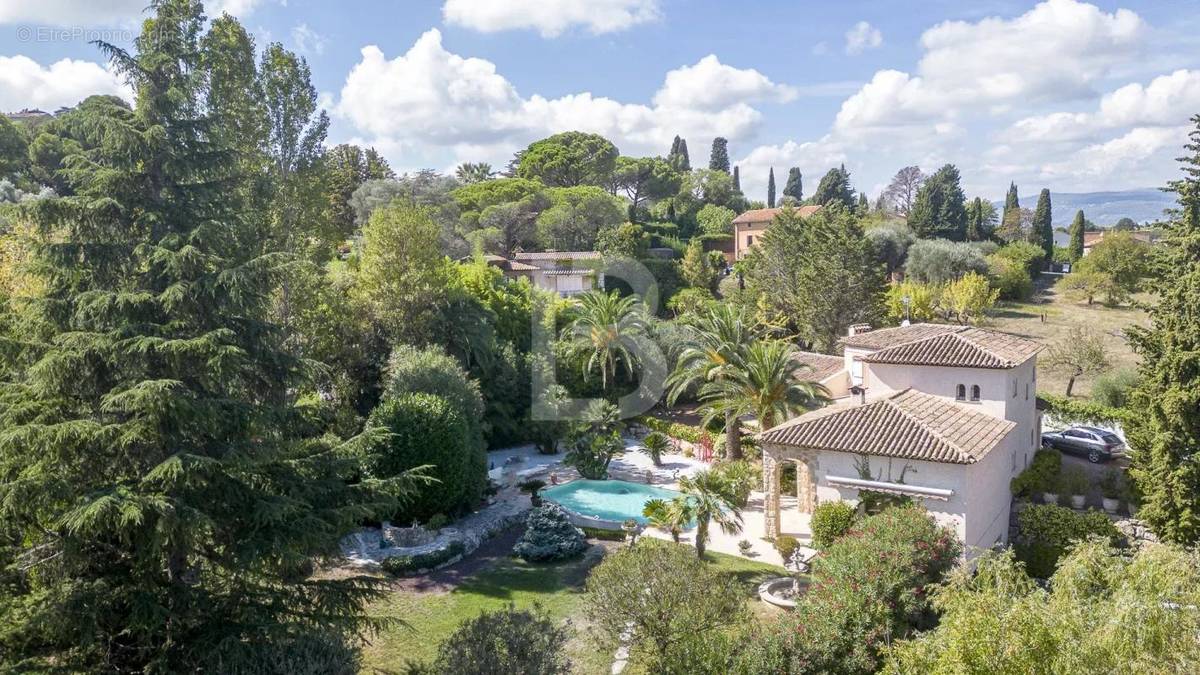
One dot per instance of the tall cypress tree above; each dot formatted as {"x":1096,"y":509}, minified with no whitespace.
{"x":1042,"y":232}
{"x":864,"y":204}
{"x":975,"y":221}
{"x":152,"y":479}
{"x":737,"y":180}
{"x":795,"y":185}
{"x":771,"y":188}
{"x":1012,"y":203}
{"x":678,"y":157}
{"x":718,"y":160}
{"x":1165,"y":432}
{"x":1077,"y":227}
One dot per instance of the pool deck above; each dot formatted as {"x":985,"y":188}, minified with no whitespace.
{"x":514,"y":465}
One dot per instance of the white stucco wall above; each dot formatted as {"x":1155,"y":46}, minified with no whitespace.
{"x":952,"y":513}
{"x":988,"y":496}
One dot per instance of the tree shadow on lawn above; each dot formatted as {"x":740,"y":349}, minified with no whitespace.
{"x":514,"y":576}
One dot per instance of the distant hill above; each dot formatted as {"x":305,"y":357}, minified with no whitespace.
{"x":1103,"y":208}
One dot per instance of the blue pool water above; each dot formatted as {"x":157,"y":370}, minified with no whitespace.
{"x":607,"y":499}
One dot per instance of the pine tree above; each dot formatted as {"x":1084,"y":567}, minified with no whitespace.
{"x":795,"y":185}
{"x":154,"y":484}
{"x":864,"y":205}
{"x":1165,"y":432}
{"x":771,"y":188}
{"x":1042,"y":232}
{"x":940,"y":207}
{"x":737,"y":180}
{"x":696,"y":267}
{"x":835,"y":188}
{"x":718,"y":160}
{"x":1076,"y":232}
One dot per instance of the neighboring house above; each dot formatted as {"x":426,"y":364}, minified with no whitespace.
{"x":1090,"y":239}
{"x":749,"y":227}
{"x":943,"y":415}
{"x":566,"y":273}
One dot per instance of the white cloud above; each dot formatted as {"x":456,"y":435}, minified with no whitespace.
{"x":1056,"y":51}
{"x":1168,"y":100}
{"x":24,"y":83}
{"x":813,"y":158}
{"x":861,"y":37}
{"x":1126,"y":155}
{"x":92,"y":13}
{"x":71,"y":13}
{"x":307,"y":40}
{"x":550,"y":18}
{"x":429,"y":99}
{"x":711,"y":85}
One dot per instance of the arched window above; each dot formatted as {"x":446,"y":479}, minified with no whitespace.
{"x":974,"y":392}
{"x":960,"y":392}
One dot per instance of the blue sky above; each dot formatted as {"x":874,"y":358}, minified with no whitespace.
{"x":1063,"y":94}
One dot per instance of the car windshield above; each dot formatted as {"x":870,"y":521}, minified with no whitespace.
{"x":1112,"y":438}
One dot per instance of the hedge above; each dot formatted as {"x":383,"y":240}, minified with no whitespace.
{"x":1038,"y":475}
{"x":1083,"y":412}
{"x":1045,"y":531}
{"x":678,"y":430}
{"x":400,"y":565}
{"x":603,"y":534}
{"x":831,"y":520}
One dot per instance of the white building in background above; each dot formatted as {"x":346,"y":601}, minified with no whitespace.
{"x":945,"y":415}
{"x":566,"y":273}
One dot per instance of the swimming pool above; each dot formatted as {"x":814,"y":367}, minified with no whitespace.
{"x":611,"y":500}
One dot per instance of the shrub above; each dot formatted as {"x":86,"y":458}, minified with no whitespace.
{"x":741,"y":476}
{"x":401,"y":565}
{"x":868,"y":588}
{"x":684,"y":432}
{"x":674,"y":602}
{"x":831,"y":520}
{"x":1074,"y":481}
{"x":531,"y":488}
{"x":786,"y":545}
{"x":427,"y":430}
{"x":656,"y":443}
{"x":1009,"y":278}
{"x":745,"y":546}
{"x":1112,"y":389}
{"x":1112,"y":483}
{"x":549,"y":535}
{"x":1038,"y":475}
{"x":508,"y":640}
{"x":602,"y":534}
{"x":308,"y":653}
{"x":436,"y":522}
{"x":938,"y":261}
{"x":1045,"y":531}
{"x":1029,"y":257}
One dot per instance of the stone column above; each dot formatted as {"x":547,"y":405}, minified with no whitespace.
{"x":771,"y":493}
{"x":806,"y":492}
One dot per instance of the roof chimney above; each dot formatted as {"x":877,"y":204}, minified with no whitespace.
{"x":860,"y":392}
{"x":856,"y":329}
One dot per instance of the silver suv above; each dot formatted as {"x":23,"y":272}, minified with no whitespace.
{"x":1096,"y":444}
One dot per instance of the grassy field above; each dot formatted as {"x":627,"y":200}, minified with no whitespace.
{"x":1049,"y":316}
{"x":430,"y":617}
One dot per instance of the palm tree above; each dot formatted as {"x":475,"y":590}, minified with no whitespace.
{"x":670,"y":516}
{"x":714,"y":346}
{"x":712,"y":501}
{"x":472,"y":172}
{"x":606,"y":327}
{"x":769,"y":383}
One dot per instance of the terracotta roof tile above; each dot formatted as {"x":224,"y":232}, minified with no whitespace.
{"x":823,"y":366}
{"x":905,"y":425}
{"x":963,"y":348}
{"x":767,"y":215}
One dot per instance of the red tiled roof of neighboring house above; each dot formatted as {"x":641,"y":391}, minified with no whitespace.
{"x":506,"y":264}
{"x":823,"y":366}
{"x":558,"y":255}
{"x":890,"y":337}
{"x":755,"y":216}
{"x":965,"y":347}
{"x":905,"y":425}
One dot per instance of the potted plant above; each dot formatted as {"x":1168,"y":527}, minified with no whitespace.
{"x":1075,"y":484}
{"x":531,"y":488}
{"x":1050,"y":488}
{"x":1110,"y":490}
{"x":744,"y":546}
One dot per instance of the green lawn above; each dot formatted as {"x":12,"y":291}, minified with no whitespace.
{"x":1025,"y":318}
{"x":430,"y":617}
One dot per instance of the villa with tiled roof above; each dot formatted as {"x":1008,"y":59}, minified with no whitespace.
{"x":941,"y":414}
{"x":566,"y":273}
{"x":748,"y":227}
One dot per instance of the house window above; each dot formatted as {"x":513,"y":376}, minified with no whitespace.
{"x":749,"y":240}
{"x":974,"y":392}
{"x":960,"y":392}
{"x":856,"y":370}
